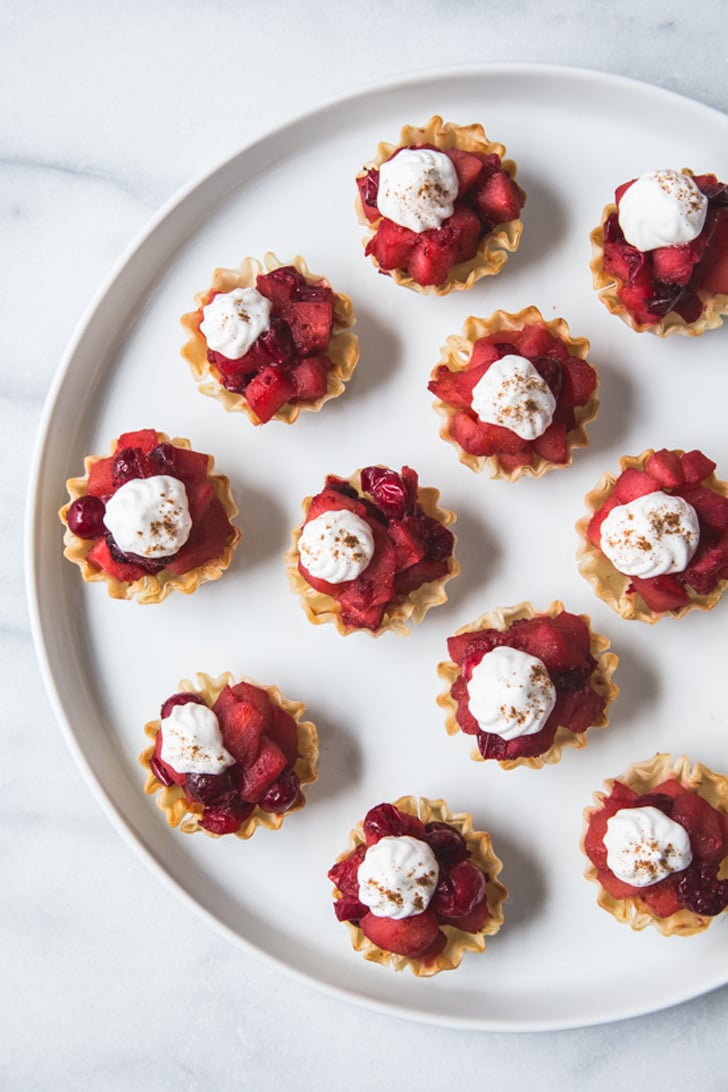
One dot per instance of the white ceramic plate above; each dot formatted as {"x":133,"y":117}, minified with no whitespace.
{"x":559,"y":961}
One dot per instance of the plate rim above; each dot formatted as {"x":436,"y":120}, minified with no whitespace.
{"x":134,"y":252}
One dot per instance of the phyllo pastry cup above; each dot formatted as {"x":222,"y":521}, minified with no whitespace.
{"x":205,"y":555}
{"x":274,"y":748}
{"x":412,"y":561}
{"x":304,"y":360}
{"x":475,"y":241}
{"x":578,"y":663}
{"x":680,"y":289}
{"x":431,"y":940}
{"x":687,"y":901}
{"x":560,"y":362}
{"x":689,"y":475}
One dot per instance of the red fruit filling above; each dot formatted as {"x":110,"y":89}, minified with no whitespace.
{"x":697,"y":887}
{"x":672,"y":278}
{"x":563,"y":644}
{"x":682,"y":474}
{"x":487,"y":197}
{"x":289,"y":362}
{"x":459,"y":900}
{"x":411,"y":548}
{"x":262,"y":738}
{"x":572,"y":382}
{"x":140,"y":454}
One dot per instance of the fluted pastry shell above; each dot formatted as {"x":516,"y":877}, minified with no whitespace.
{"x":185,"y":814}
{"x":152,"y":587}
{"x":501,"y":619}
{"x":405,"y":610}
{"x":643,"y":777}
{"x":714,"y":304}
{"x":493,"y":249}
{"x":455,"y":355}
{"x":611,"y":585}
{"x":343,"y":348}
{"x":458,"y":941}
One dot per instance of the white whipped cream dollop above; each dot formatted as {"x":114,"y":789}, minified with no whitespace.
{"x":644,"y":846}
{"x":417,"y":188}
{"x":336,"y":546}
{"x":513,"y":395}
{"x":510,"y":693}
{"x":398,"y":876}
{"x":233,"y":321}
{"x":662,"y":208}
{"x":651,"y":535}
{"x":192,"y":741}
{"x":149,"y":516}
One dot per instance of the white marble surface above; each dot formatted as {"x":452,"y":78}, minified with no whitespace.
{"x":108,"y":981}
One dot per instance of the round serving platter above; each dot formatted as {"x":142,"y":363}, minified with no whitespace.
{"x":559,"y":961}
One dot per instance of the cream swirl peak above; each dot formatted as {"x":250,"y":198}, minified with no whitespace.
{"x":645,"y":846}
{"x":398,"y":876}
{"x":652,"y":535}
{"x":149,"y":517}
{"x":192,"y":741}
{"x":417,"y":188}
{"x":233,"y":321}
{"x":510,"y":693}
{"x":662,"y":208}
{"x":336,"y":546}
{"x":513,"y":395}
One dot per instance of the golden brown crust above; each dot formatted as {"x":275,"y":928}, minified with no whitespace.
{"x":606,"y":284}
{"x":643,"y":777}
{"x":405,"y":610}
{"x":494,"y":248}
{"x":501,"y":619}
{"x":611,"y":585}
{"x":343,"y":348}
{"x":455,"y":355}
{"x":458,"y":941}
{"x":185,"y":814}
{"x":153,"y":587}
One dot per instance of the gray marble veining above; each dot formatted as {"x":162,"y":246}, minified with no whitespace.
{"x":109,"y":982}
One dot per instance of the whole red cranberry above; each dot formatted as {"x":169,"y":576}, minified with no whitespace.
{"x":388,"y":490}
{"x":700,"y":890}
{"x":220,"y":821}
{"x":86,"y":517}
{"x":213,"y":790}
{"x":160,"y":459}
{"x":126,"y":466}
{"x":385,"y":820}
{"x":446,"y":843}
{"x":459,"y":890}
{"x":180,"y":699}
{"x":283,"y":793}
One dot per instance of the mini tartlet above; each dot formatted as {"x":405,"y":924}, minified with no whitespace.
{"x":144,"y":454}
{"x":465,"y":896}
{"x":475,"y":239}
{"x":554,"y":394}
{"x":270,"y":750}
{"x":685,"y":901}
{"x":577,"y":684}
{"x":303,"y":357}
{"x":674,"y":289}
{"x":698,"y":585}
{"x":393,"y":535}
